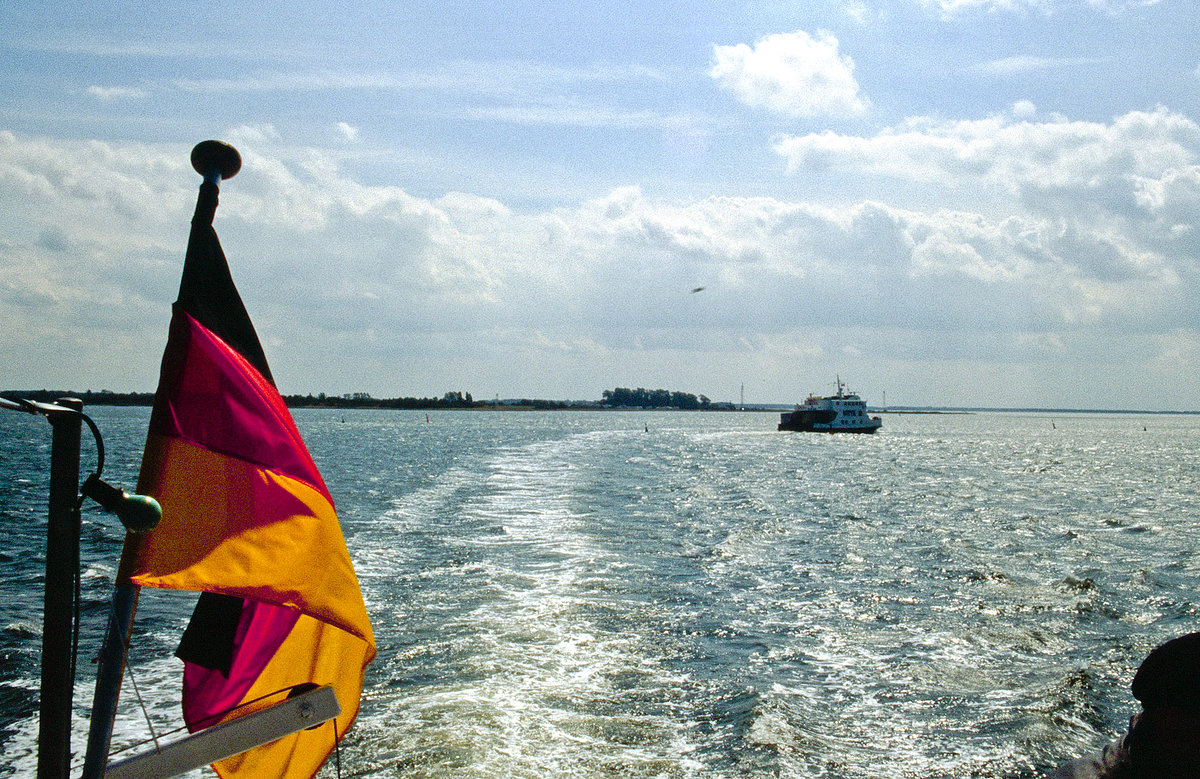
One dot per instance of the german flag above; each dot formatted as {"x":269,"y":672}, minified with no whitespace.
{"x":247,"y":522}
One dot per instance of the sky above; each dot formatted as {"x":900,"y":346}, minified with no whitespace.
{"x":942,"y":202}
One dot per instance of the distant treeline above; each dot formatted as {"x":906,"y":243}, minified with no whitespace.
{"x":89,"y":398}
{"x":617,"y":398}
{"x":352,"y":400}
{"x":364,"y":400}
{"x":643,"y":398}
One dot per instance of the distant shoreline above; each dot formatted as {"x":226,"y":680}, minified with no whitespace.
{"x":1005,"y":410}
{"x":456,"y":401}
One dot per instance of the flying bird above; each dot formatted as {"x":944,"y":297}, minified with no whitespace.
{"x":697,"y":289}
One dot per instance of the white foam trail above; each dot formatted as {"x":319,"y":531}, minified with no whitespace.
{"x":539,"y":687}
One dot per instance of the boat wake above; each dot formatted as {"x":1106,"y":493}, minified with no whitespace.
{"x":514,"y":665}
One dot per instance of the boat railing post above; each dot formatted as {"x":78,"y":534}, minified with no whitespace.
{"x":62,"y":564}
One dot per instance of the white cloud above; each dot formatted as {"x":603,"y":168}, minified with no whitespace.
{"x":948,"y":7}
{"x":573,"y":114}
{"x":347,"y":131}
{"x":1117,"y":6}
{"x":1089,"y":163}
{"x":254,"y":134}
{"x":372,"y":283}
{"x":493,"y":78}
{"x":951,"y":7}
{"x":1024,"y":65}
{"x":1102,"y":214}
{"x":859,"y":11}
{"x":115,"y":93}
{"x":791,"y":73}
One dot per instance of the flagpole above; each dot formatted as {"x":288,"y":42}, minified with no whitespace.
{"x":214,"y":161}
{"x":109,"y":674}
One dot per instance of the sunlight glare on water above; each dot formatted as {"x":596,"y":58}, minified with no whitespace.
{"x":573,"y":594}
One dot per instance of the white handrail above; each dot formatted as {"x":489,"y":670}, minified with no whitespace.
{"x":231,"y":738}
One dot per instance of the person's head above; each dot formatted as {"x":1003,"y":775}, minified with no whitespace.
{"x":1165,"y":743}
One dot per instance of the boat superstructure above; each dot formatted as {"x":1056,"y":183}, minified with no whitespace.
{"x":844,"y":412}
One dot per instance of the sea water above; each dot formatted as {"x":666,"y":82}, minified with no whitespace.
{"x":685,"y":594}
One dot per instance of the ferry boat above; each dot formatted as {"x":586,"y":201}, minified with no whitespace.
{"x":844,"y":412}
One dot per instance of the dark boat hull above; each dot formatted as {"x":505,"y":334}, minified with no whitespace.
{"x":802,"y":420}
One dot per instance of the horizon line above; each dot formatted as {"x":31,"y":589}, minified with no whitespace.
{"x":370,"y":401}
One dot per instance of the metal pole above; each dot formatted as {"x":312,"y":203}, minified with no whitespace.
{"x":108,"y":679}
{"x":62,"y":564}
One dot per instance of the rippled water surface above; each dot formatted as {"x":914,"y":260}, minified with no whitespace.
{"x":573,"y":594}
